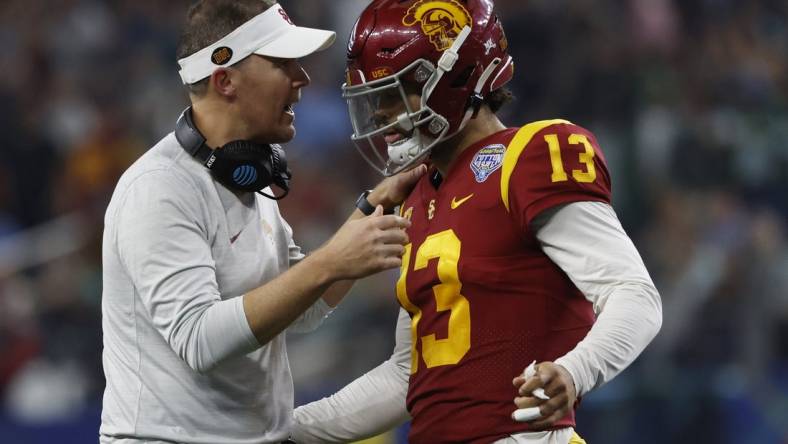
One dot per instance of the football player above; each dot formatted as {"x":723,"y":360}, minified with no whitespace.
{"x":516,"y":254}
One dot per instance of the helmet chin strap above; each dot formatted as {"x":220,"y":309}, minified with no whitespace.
{"x":471,"y":111}
{"x":445,"y":64}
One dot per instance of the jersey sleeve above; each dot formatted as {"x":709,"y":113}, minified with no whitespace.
{"x":550,"y":163}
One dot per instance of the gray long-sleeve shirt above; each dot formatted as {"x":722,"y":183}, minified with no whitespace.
{"x":181,"y":363}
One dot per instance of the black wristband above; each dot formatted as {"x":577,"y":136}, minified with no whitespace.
{"x":367,"y":208}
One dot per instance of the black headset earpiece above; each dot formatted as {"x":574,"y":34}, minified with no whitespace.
{"x":241,"y":164}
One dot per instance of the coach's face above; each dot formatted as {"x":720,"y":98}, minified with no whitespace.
{"x":267,"y":89}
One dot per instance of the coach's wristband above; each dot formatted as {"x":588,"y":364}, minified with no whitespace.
{"x":367,"y":208}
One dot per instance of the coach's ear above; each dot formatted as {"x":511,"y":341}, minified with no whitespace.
{"x":223,"y":82}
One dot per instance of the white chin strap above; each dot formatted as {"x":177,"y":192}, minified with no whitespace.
{"x":478,"y":89}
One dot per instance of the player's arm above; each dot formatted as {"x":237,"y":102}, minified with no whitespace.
{"x":586,"y":240}
{"x":370,"y":405}
{"x":556,"y":185}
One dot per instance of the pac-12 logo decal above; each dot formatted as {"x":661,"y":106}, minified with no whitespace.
{"x":486,"y":161}
{"x":441,"y":20}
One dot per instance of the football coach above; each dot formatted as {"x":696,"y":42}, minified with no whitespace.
{"x":201,"y":276}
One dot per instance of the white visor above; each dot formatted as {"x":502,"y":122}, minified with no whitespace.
{"x":270,"y":33}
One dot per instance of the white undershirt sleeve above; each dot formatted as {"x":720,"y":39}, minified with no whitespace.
{"x":588,"y":242}
{"x":370,"y":405}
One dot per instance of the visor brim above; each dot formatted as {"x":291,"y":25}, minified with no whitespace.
{"x":297,"y":42}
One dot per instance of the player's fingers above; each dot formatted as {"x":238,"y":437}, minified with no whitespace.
{"x":551,"y":411}
{"x":378,"y":211}
{"x":548,"y":421}
{"x":546,"y":373}
{"x":518,"y":381}
{"x":555,"y":387}
{"x":531,"y":384}
{"x":523,"y":402}
{"x":552,"y":405}
{"x":526,"y":415}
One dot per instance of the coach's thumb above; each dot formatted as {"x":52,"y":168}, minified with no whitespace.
{"x":417,"y":172}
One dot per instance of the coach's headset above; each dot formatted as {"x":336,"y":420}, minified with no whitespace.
{"x":239,"y":165}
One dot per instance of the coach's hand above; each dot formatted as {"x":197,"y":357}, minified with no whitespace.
{"x":557,"y":384}
{"x":366,"y":246}
{"x":395,"y":189}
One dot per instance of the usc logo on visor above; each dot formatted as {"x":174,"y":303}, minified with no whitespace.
{"x":441,"y":21}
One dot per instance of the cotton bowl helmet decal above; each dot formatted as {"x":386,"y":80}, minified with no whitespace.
{"x":453,"y":52}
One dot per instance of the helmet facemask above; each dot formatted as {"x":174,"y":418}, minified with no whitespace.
{"x":420,"y":129}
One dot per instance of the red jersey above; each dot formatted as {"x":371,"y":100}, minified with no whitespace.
{"x":484,"y":299}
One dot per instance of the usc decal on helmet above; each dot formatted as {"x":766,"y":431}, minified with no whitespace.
{"x":441,"y":21}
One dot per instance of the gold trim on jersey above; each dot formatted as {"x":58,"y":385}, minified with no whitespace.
{"x":515,"y":148}
{"x":576,"y":439}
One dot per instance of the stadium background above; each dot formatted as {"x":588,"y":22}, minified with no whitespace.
{"x":687,"y":98}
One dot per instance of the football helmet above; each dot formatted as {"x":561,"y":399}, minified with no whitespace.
{"x":452,"y":53}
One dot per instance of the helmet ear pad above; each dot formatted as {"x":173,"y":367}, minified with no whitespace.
{"x":243,"y":165}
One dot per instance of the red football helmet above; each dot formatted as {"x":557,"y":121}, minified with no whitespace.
{"x":453,"y":51}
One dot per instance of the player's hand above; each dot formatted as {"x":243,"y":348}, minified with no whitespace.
{"x":393,"y":190}
{"x":366,"y":246}
{"x":557,"y":384}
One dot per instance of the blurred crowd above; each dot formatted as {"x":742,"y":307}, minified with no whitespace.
{"x":688,"y":99}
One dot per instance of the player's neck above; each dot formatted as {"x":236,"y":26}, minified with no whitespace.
{"x":485,"y":124}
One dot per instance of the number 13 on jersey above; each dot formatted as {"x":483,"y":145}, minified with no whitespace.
{"x":445,"y":247}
